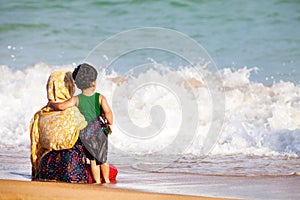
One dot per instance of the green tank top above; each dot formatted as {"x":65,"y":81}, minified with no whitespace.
{"x":89,"y":106}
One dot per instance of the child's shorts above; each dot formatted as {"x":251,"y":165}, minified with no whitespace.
{"x":95,"y":142}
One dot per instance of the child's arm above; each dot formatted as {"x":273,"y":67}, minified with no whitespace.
{"x":106,"y":109}
{"x":64,"y":105}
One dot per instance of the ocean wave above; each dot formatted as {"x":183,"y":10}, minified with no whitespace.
{"x":260,"y":120}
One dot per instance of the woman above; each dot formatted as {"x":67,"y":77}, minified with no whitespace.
{"x":56,"y":152}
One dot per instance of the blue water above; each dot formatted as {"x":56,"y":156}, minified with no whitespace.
{"x":263,"y":34}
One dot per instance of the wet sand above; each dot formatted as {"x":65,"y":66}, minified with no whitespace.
{"x":11,"y":189}
{"x":232,"y":187}
{"x":159,"y":186}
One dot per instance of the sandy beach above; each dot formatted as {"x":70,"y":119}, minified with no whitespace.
{"x":11,"y":189}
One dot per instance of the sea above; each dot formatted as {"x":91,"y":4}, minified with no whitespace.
{"x":205,"y":94}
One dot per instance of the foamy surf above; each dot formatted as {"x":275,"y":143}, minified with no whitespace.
{"x":259,"y":119}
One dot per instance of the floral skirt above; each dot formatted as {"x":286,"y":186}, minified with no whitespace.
{"x":65,"y":165}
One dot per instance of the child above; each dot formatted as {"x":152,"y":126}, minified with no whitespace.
{"x":85,"y":79}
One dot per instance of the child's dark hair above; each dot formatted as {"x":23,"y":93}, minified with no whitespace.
{"x":83,"y":75}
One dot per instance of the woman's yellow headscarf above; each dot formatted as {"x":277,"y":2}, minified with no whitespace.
{"x":55,"y":130}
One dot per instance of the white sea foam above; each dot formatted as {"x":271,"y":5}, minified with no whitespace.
{"x":259,"y":119}
{"x":22,"y":93}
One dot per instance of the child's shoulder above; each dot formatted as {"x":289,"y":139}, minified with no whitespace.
{"x":98,"y":93}
{"x":101,"y":97}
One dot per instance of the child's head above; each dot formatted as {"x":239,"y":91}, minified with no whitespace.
{"x":84,"y":75}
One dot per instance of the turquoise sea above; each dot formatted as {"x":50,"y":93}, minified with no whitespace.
{"x":165,"y":116}
{"x":236,"y":33}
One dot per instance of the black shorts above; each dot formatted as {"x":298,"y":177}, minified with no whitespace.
{"x":91,"y":157}
{"x":100,"y":153}
{"x":95,"y":142}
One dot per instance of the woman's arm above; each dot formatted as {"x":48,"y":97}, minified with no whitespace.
{"x":106,"y":109}
{"x":64,"y":105}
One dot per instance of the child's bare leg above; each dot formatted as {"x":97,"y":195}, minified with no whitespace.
{"x":105,"y":172}
{"x":95,"y":171}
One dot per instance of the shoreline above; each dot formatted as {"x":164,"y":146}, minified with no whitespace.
{"x":16,"y":189}
{"x":141,"y":185}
